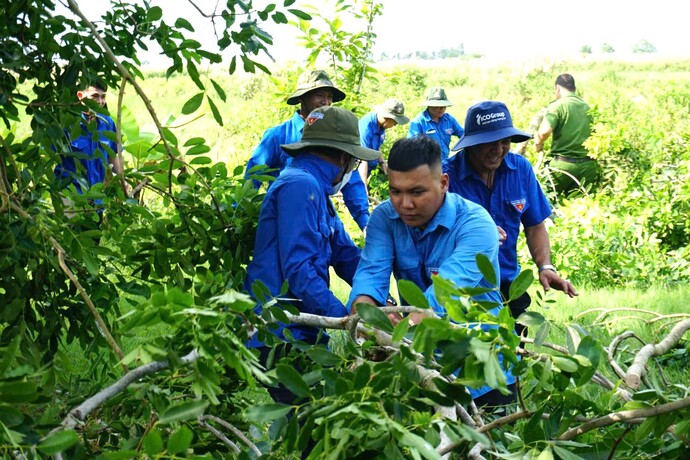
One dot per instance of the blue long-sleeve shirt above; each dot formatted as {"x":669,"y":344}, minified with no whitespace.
{"x":447,"y":247}
{"x":371,"y":135}
{"x":269,"y":153}
{"x":299,"y":236}
{"x":91,"y":151}
{"x":441,"y":132}
{"x":516,"y":198}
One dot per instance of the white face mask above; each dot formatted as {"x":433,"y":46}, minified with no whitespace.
{"x":337,"y":187}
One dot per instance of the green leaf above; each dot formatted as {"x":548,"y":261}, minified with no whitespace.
{"x":520,"y":284}
{"x":193,"y":103}
{"x":418,"y":443}
{"x":153,"y":443}
{"x":531,"y":319}
{"x":182,"y":23}
{"x":201,"y":161}
{"x":565,"y":454}
{"x":372,"y":315}
{"x":10,"y":416}
{"x":194,"y":141}
{"x":645,"y":428}
{"x":180,"y":440}
{"x":294,"y":382}
{"x":486,"y":268}
{"x":300,"y":14}
{"x":362,"y":376}
{"x":154,"y":13}
{"x":279,"y":18}
{"x":58,"y":442}
{"x":184,"y":411}
{"x":219,"y":90}
{"x":412,"y":294}
{"x":542,"y":333}
{"x":493,"y":373}
{"x":215,"y":111}
{"x":564,"y":364}
{"x":198,"y":150}
{"x":400,"y":330}
{"x":572,"y":338}
{"x":10,"y":353}
{"x":18,"y":391}
{"x":546,"y":454}
{"x":267,"y":412}
{"x":323,"y":356}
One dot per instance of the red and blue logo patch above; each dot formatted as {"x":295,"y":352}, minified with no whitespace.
{"x":519,"y":205}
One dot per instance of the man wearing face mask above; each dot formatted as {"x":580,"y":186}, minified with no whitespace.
{"x":299,"y":234}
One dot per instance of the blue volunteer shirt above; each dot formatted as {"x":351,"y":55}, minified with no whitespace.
{"x":441,"y":132}
{"x":447,"y":247}
{"x":299,"y":236}
{"x":516,"y":198}
{"x":269,"y":153}
{"x":356,"y":199}
{"x":91,"y":151}
{"x":371,"y":135}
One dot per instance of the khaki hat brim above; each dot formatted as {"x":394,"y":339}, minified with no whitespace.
{"x":357,"y":151}
{"x":399,"y":119}
{"x":438,"y":103}
{"x":338,"y":95}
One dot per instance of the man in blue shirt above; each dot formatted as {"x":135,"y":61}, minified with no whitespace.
{"x":314,"y":89}
{"x":299,"y":234}
{"x":372,"y":130}
{"x":422,"y":231}
{"x":85,"y":165}
{"x":435,"y":123}
{"x":504,"y":184}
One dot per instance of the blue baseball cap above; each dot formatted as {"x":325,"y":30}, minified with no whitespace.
{"x":486,"y":122}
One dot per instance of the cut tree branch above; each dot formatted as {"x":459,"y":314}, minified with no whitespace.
{"x":625,"y":416}
{"x":639,"y":366}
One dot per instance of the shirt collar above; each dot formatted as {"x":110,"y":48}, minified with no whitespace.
{"x":444,"y":217}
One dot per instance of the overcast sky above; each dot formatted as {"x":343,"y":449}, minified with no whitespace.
{"x":500,"y":29}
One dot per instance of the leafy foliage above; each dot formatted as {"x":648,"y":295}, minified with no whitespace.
{"x":145,"y":304}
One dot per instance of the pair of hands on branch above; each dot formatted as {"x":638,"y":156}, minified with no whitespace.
{"x":395,"y":318}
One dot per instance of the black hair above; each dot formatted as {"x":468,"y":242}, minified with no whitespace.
{"x":96,"y":83}
{"x":566,"y":81}
{"x":410,"y":153}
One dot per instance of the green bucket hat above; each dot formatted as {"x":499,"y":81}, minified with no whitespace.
{"x":393,"y":109}
{"x":311,"y":80}
{"x":436,"y":97}
{"x":335,"y":128}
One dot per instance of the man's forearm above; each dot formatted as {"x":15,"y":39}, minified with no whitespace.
{"x":538,"y":244}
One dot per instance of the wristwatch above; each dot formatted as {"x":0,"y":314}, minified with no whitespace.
{"x":547,"y":267}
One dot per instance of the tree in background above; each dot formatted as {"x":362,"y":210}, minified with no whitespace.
{"x":644,"y":46}
{"x":607,"y":48}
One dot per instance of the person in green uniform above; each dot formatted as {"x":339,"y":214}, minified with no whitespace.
{"x":569,"y":120}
